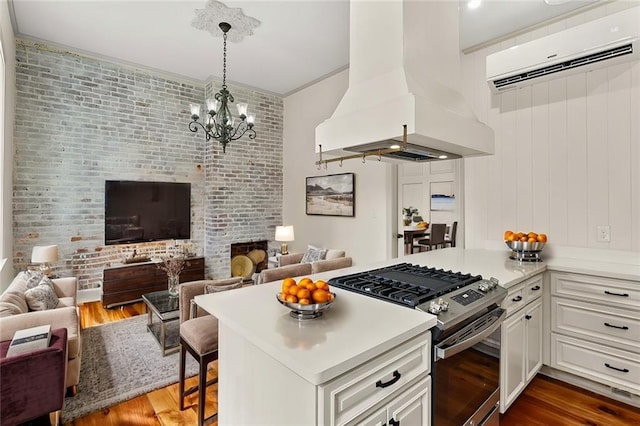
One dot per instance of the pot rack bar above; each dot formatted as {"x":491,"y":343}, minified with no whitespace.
{"x":376,"y":152}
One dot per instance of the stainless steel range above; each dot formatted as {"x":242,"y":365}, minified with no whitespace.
{"x":466,"y":340}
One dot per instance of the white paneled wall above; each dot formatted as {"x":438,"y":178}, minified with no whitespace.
{"x":567,"y":152}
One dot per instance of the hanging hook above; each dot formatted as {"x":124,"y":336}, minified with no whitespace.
{"x":379,"y":156}
{"x":364,"y":157}
{"x":325,"y":165}
{"x":341,"y":162}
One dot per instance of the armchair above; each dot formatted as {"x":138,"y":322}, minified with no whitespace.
{"x":33,"y":383}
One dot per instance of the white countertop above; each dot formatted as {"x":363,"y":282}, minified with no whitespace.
{"x":357,"y":328}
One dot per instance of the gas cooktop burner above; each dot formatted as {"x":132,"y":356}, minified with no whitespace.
{"x":405,"y":284}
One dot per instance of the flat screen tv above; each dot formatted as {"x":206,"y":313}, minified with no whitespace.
{"x":146,"y":211}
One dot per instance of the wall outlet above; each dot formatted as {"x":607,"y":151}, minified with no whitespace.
{"x":604,"y":234}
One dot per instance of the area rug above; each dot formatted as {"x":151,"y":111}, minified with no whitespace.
{"x":121,"y":360}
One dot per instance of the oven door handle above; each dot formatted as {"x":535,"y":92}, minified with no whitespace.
{"x":442,"y":350}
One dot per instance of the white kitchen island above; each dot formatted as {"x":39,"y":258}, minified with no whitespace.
{"x":273,"y":368}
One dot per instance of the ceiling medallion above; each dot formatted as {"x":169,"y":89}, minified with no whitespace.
{"x":214,"y":12}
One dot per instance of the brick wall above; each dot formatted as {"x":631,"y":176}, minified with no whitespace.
{"x":81,"y":121}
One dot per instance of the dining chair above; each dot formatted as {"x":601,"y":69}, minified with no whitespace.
{"x":450,"y":239}
{"x":436,"y":237}
{"x":199,"y":337}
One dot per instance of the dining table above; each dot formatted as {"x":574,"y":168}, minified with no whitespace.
{"x":411,"y":232}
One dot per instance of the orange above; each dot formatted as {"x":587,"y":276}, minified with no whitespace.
{"x":311,"y":287}
{"x":293,"y":289}
{"x":512,"y":237}
{"x":304,"y":301}
{"x":303,"y":293}
{"x":523,"y":239}
{"x":532,"y":235}
{"x":292,"y":299}
{"x":532,"y":240}
{"x":322,"y":285}
{"x":542,"y":238}
{"x":283,"y":295}
{"x":506,"y":234}
{"x":320,"y":296}
{"x":287,"y":282}
{"x":305,"y":280}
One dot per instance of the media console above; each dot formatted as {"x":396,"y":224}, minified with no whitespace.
{"x":127,"y":283}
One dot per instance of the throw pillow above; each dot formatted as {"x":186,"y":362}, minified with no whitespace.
{"x":42,"y":296}
{"x":213,"y":288}
{"x":33,"y":278}
{"x":12,"y":303}
{"x":335,"y":254}
{"x":313,"y":254}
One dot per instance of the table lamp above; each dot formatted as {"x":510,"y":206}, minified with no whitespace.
{"x":284,"y":234}
{"x":44,"y":255}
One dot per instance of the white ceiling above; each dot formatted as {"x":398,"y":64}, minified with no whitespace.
{"x":297,"y":43}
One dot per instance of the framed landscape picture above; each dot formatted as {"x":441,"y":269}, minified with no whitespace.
{"x":331,"y":195}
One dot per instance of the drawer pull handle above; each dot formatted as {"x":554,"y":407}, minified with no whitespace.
{"x":528,"y":317}
{"x":393,"y":422}
{"x":624,"y":370}
{"x":535,"y":288}
{"x":396,"y":377}
{"x":616,"y":294}
{"x":517,"y":298}
{"x":621,"y":327}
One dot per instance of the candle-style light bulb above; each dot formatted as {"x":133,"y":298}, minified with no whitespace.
{"x":195,"y":111}
{"x":242,"y":109}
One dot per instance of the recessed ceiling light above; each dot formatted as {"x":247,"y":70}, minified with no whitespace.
{"x":556,"y":2}
{"x":394,"y":146}
{"x":473,"y":4}
{"x":442,"y":157}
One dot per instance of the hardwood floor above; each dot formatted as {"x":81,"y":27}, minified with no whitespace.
{"x":545,"y":402}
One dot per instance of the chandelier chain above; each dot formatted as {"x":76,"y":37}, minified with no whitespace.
{"x":224,"y":60}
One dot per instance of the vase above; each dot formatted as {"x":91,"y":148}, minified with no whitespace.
{"x":406,"y":221}
{"x":173,"y":285}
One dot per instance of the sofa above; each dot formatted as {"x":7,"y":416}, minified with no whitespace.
{"x":312,"y":261}
{"x":17,"y":313}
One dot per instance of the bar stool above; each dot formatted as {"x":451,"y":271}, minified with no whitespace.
{"x":199,"y":337}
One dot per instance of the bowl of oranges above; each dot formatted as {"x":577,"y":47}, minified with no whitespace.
{"x":529,"y":242}
{"x":306,"y":298}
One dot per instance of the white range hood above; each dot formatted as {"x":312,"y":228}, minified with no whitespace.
{"x":404,"y":69}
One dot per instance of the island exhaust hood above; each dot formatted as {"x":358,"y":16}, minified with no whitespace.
{"x":404,"y":69}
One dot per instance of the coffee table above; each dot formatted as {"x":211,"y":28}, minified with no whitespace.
{"x":167,"y":310}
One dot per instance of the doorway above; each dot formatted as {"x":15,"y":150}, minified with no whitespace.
{"x":435,"y":189}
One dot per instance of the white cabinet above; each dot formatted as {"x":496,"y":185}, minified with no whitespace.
{"x":255,"y":388}
{"x":379,"y":381}
{"x":521,"y":339}
{"x":595,"y":329}
{"x":411,"y":407}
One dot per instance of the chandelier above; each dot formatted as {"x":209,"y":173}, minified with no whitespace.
{"x":218,"y":123}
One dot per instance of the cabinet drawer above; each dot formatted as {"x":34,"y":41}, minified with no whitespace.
{"x":516,"y":299}
{"x":614,"y":292}
{"x":533,"y":288}
{"x":612,"y":367}
{"x":601,"y":324}
{"x":356,"y":391}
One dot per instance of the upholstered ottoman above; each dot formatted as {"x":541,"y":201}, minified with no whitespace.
{"x":33,"y":384}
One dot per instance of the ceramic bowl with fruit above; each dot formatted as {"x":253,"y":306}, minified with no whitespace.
{"x":306,"y":299}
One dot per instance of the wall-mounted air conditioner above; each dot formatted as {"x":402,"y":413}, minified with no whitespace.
{"x":603,"y":42}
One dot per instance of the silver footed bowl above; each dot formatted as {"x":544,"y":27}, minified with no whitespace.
{"x":304,"y":312}
{"x":519,"y":246}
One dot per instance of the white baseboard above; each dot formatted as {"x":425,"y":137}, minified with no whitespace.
{"x":608,"y":391}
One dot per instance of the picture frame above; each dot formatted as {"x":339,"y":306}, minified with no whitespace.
{"x":331,"y":195}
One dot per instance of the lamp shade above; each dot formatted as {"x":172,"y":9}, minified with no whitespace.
{"x":44,"y":254}
{"x":284,"y":233}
